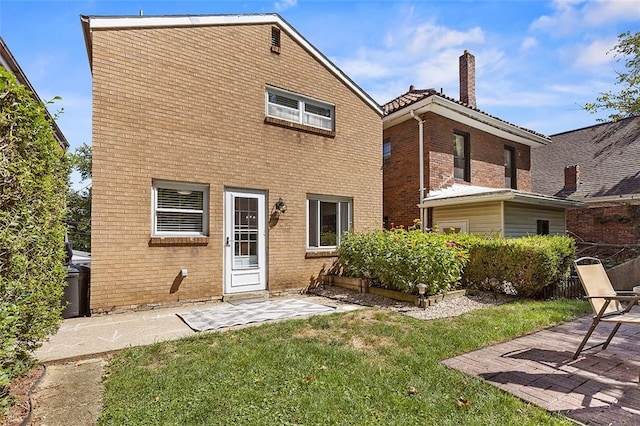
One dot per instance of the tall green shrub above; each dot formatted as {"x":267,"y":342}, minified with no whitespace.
{"x":401,"y":259}
{"x":527,"y":264}
{"x":33,"y":183}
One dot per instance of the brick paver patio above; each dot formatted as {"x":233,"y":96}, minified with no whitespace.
{"x":598,"y":388}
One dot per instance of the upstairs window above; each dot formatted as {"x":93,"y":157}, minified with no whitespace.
{"x":180,"y":209}
{"x":386,"y":150}
{"x":510,"y":168}
{"x":299,"y":109}
{"x":461,"y":157}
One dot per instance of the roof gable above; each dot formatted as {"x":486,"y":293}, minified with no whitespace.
{"x":90,"y":23}
{"x":607,"y":156}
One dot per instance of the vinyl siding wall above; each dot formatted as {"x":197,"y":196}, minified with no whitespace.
{"x":484,"y":218}
{"x":521,"y":219}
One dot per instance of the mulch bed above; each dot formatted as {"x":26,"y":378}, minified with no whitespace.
{"x":21,"y":389}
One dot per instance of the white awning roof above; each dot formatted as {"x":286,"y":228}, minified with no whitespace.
{"x":466,"y":194}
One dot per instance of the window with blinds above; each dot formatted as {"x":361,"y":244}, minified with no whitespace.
{"x":299,"y":109}
{"x":180,"y":209}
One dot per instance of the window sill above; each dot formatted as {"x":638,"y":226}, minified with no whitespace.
{"x":320,"y":253}
{"x":297,"y":126}
{"x":178,"y":241}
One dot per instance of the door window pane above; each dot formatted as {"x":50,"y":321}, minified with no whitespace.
{"x":245,"y":232}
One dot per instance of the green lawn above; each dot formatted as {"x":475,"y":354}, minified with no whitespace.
{"x":366,"y":367}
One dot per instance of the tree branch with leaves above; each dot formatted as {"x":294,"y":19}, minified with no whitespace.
{"x":626,"y":102}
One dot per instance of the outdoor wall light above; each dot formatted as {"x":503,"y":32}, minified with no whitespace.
{"x":422,"y":288}
{"x":281,"y":206}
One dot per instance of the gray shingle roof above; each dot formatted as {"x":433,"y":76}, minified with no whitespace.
{"x":607,"y":155}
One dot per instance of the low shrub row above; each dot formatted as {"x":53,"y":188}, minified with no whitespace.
{"x":401,"y":259}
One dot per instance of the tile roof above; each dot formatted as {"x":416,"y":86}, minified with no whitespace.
{"x":608,"y":159}
{"x":414,"y":96}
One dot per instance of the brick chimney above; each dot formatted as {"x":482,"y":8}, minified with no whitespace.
{"x":468,"y":79}
{"x":571,"y":177}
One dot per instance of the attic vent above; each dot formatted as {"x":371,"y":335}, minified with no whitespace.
{"x":275,"y":39}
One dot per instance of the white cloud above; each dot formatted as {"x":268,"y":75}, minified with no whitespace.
{"x":570,"y":16}
{"x":528,"y":43}
{"x":593,"y":54}
{"x":436,"y":37}
{"x":285,"y":4}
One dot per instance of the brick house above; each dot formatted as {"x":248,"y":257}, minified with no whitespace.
{"x":457,"y":167}
{"x":228,"y":157}
{"x":600,"y":166}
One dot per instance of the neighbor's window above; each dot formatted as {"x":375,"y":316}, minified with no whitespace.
{"x":461,"y":157}
{"x":386,"y":150}
{"x":299,"y":109}
{"x":510,"y":168}
{"x":457,"y":227}
{"x":180,"y":209}
{"x":329,"y":218}
{"x":542,"y":227}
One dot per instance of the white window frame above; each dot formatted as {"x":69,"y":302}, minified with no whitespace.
{"x":463,"y":225}
{"x":300,"y":115}
{"x":328,"y":199}
{"x":179,"y":186}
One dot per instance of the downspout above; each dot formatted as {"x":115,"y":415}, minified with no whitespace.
{"x":421,"y":153}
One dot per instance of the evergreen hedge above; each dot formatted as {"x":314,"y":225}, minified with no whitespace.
{"x":521,"y":266}
{"x":33,"y":183}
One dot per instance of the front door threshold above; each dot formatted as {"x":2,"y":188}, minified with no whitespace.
{"x":246,"y":297}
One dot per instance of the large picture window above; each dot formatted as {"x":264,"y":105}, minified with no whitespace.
{"x":328,"y":219}
{"x":299,"y":109}
{"x":180,"y":209}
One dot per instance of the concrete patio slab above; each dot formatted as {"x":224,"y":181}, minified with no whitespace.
{"x":88,"y":337}
{"x":598,"y":388}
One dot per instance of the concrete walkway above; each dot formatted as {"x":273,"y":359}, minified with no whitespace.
{"x":91,"y":337}
{"x":599,"y":388}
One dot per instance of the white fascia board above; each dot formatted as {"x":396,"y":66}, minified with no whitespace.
{"x":465,"y":115}
{"x":506,"y":195}
{"x":115,"y":22}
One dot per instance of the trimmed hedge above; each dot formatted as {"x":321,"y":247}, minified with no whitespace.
{"x":33,"y":184}
{"x":399,"y":260}
{"x":524,"y":266}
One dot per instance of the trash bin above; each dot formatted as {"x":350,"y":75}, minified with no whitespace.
{"x":71,"y":296}
{"x":84,"y":289}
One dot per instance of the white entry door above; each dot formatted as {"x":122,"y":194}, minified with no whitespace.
{"x":244,"y":245}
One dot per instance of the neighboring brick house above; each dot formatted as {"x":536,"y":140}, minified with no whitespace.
{"x":228,"y":157}
{"x":600,"y":166}
{"x":466,"y":155}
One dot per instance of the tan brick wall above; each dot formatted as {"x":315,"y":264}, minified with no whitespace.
{"x":187,"y":104}
{"x":401,"y":173}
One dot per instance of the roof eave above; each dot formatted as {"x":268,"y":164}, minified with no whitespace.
{"x":504,"y":195}
{"x":90,"y":23}
{"x":463,"y":114}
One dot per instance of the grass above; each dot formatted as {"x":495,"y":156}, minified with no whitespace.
{"x":366,"y":367}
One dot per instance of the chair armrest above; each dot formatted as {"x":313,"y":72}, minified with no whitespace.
{"x":622,"y":298}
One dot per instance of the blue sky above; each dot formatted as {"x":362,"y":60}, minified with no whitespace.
{"x":536,"y":61}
